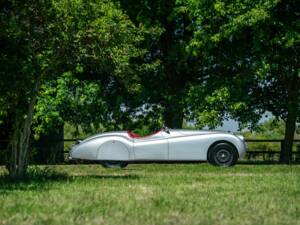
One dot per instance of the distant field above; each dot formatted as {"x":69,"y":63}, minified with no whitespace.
{"x":154,"y":194}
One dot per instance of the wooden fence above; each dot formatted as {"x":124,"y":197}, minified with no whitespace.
{"x":270,"y":156}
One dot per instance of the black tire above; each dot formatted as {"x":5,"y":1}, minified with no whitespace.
{"x":114,"y":164}
{"x":222,"y":154}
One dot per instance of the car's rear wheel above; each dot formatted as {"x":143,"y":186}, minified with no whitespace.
{"x":222,"y":154}
{"x":114,"y":164}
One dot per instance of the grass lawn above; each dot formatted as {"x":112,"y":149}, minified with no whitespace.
{"x":154,"y":194}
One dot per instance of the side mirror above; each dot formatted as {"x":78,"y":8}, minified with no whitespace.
{"x":166,"y":129}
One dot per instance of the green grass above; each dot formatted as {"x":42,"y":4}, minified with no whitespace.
{"x":154,"y":194}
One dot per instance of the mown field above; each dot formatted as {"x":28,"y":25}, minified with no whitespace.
{"x":153,"y":194}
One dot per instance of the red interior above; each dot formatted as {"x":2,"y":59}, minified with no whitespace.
{"x":134,"y":135}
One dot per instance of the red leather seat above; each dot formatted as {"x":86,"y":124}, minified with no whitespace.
{"x":134,"y":135}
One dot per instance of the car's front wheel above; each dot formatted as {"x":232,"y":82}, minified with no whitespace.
{"x":222,"y":154}
{"x":114,"y":164}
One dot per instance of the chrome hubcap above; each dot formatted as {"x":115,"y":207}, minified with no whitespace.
{"x":223,"y":156}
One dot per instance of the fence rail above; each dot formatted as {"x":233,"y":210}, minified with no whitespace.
{"x":270,"y":156}
{"x":252,"y":155}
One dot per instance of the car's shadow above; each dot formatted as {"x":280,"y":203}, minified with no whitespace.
{"x":46,"y":181}
{"x":122,"y":177}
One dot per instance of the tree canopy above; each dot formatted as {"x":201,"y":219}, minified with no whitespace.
{"x":127,"y":64}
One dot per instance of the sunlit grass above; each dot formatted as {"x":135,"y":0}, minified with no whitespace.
{"x":154,"y":194}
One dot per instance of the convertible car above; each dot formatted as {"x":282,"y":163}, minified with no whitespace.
{"x":117,"y":149}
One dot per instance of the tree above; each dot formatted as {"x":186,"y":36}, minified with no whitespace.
{"x":253,"y":60}
{"x":101,"y":70}
{"x":44,"y":39}
{"x":165,"y":89}
{"x":25,"y":59}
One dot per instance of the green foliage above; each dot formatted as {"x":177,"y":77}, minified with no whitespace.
{"x":250,"y":49}
{"x":68,"y":100}
{"x":100,"y":78}
{"x":99,"y":37}
{"x":271,"y":129}
{"x":25,"y":53}
{"x":87,"y":45}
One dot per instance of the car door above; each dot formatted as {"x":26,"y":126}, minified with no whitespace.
{"x":153,"y":147}
{"x":185,"y":147}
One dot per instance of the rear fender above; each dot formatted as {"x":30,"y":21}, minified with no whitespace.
{"x":113,"y":150}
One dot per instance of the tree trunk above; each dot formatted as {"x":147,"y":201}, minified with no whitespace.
{"x":19,"y":143}
{"x":290,"y":123}
{"x":174,"y":80}
{"x":173,"y":116}
{"x":290,"y":126}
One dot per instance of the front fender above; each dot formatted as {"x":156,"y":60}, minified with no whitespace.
{"x":237,"y":142}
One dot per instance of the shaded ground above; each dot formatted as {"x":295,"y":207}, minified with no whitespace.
{"x":154,"y":194}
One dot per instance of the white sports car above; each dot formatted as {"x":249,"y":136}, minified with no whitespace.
{"x":117,"y":149}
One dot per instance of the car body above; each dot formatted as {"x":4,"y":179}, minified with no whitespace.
{"x":165,"y":145}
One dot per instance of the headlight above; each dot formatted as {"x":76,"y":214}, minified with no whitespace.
{"x":241,"y":137}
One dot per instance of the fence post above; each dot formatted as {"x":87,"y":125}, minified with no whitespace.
{"x":281,"y":150}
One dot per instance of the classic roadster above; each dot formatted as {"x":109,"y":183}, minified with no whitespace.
{"x":117,"y":149}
